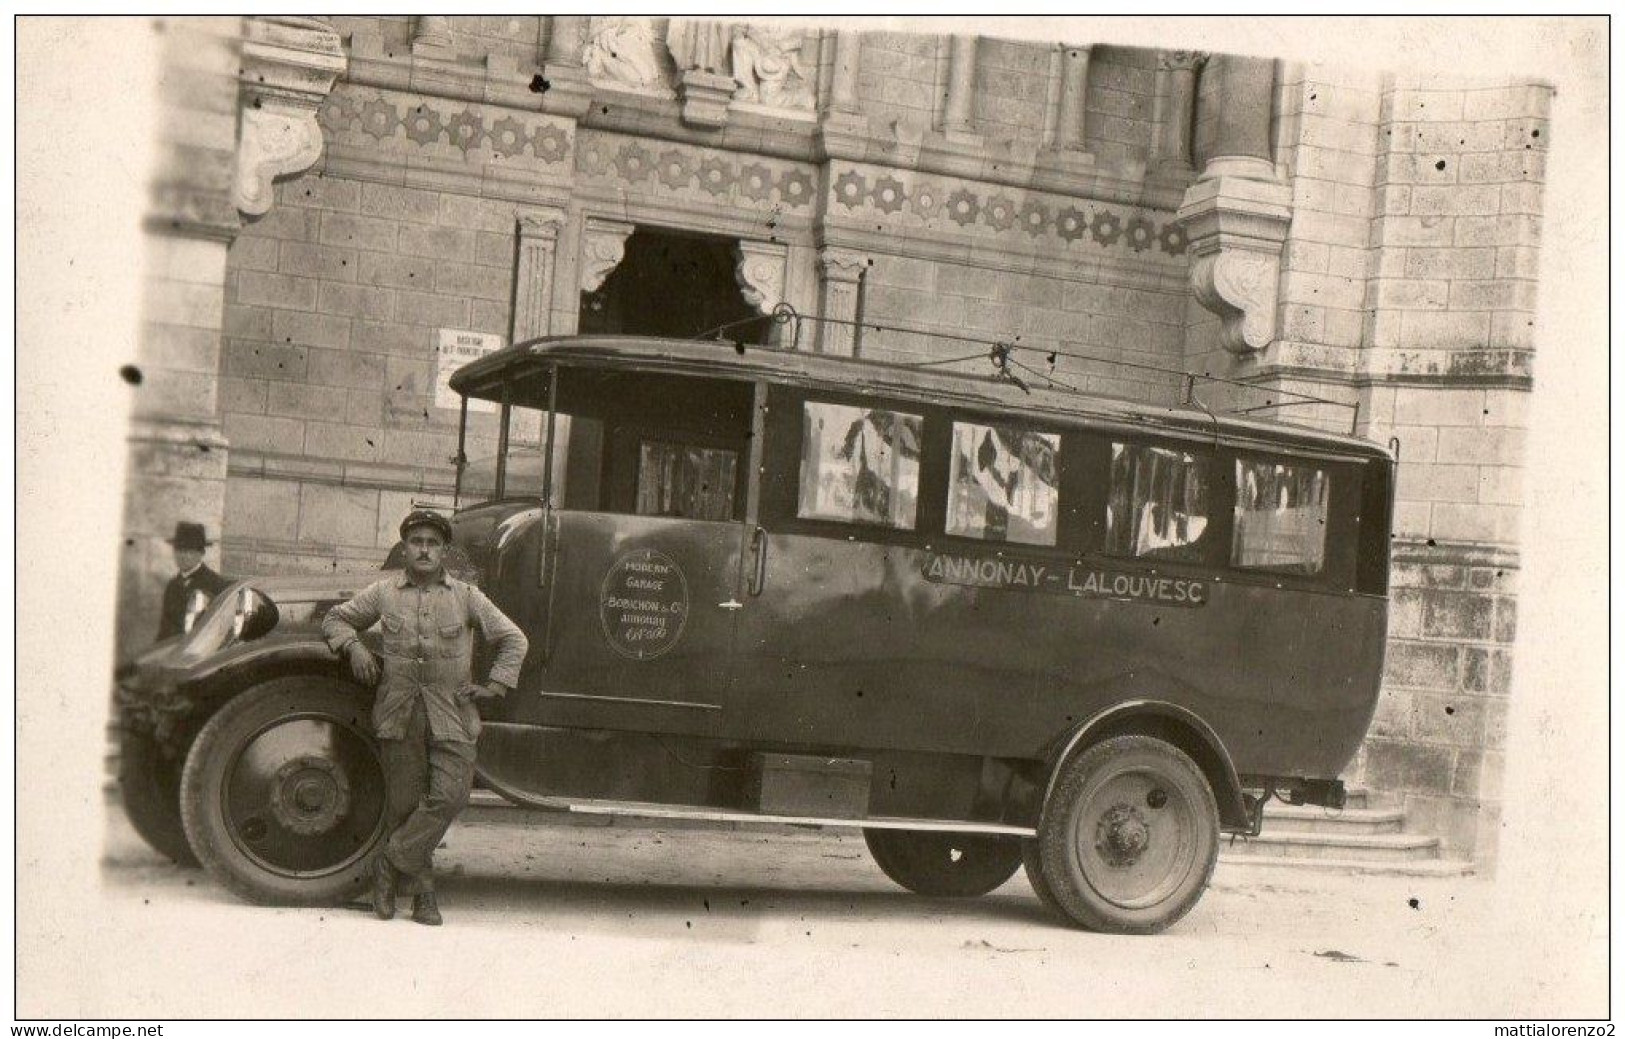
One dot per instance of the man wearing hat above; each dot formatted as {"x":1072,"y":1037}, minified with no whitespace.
{"x":195,"y":580}
{"x":424,"y":710}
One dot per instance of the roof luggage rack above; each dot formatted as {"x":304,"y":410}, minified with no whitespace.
{"x":1001,"y":354}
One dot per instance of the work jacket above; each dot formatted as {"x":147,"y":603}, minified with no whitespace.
{"x":428,"y":650}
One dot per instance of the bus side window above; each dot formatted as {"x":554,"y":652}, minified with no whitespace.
{"x":1280,"y":517}
{"x":1003,"y":484}
{"x":1158,"y":502}
{"x":859,"y":464}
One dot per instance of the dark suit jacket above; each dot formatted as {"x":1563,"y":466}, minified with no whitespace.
{"x":178,"y":591}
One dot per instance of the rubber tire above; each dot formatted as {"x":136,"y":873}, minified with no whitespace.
{"x":1058,"y":865}
{"x":218,"y":743}
{"x":920,"y":861}
{"x":1032,"y":865}
{"x":150,"y":784}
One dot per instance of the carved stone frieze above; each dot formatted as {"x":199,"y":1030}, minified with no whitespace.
{"x":603,"y":246}
{"x":288,"y":67}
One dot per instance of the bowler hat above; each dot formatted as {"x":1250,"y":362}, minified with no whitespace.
{"x":426,"y":518}
{"x":189,"y":536}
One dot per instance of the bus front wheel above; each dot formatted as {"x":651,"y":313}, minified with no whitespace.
{"x":1129,"y":836}
{"x":283,"y":793}
{"x":944,"y":865}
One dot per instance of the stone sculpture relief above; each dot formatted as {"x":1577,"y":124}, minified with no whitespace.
{"x":621,"y":51}
{"x":699,"y":44}
{"x":767,"y":63}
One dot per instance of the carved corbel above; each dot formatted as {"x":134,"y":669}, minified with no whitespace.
{"x":1236,"y":229}
{"x":760,"y":273}
{"x":288,"y":67}
{"x":603,"y":246}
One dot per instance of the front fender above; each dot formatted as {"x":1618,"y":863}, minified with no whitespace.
{"x":172,"y":700}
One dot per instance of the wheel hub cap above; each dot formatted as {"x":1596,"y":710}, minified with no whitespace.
{"x":1121,"y":835}
{"x":310,"y":795}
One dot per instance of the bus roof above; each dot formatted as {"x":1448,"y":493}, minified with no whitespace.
{"x":483,"y":377}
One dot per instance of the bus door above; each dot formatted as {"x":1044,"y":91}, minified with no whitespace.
{"x":632,"y":626}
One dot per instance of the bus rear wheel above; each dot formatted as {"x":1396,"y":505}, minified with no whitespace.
{"x":1129,"y":836}
{"x":283,"y":794}
{"x":944,"y":865}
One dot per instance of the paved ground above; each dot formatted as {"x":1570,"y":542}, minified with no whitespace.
{"x":609,"y":921}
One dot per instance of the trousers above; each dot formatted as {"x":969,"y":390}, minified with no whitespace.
{"x":426,"y":783}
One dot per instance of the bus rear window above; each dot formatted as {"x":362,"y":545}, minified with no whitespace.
{"x":859,"y":465}
{"x":1002,"y":484}
{"x":1280,"y":517}
{"x":1158,"y":504}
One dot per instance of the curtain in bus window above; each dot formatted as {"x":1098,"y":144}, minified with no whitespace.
{"x":1001,"y":484}
{"x":1280,"y":517}
{"x":859,"y":465}
{"x":1158,"y":503}
{"x":687,"y":481}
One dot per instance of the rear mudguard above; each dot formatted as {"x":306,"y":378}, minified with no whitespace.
{"x":1156,"y":717}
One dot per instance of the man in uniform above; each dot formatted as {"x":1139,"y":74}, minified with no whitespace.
{"x":424,"y":713}
{"x":193,"y":580}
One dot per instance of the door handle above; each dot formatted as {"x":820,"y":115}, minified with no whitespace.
{"x":758,"y":573}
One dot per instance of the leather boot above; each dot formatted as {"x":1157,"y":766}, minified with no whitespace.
{"x":383,"y":888}
{"x":425,"y":910}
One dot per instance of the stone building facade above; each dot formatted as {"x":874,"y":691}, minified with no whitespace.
{"x":338,"y":194}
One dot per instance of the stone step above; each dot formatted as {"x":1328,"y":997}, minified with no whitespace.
{"x":1357,"y":797}
{"x":1373,"y":847}
{"x":1314,"y":819}
{"x":1247,"y":863}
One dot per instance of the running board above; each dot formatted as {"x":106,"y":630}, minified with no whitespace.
{"x":650,"y":810}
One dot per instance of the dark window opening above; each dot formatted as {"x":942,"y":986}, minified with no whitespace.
{"x":672,"y":284}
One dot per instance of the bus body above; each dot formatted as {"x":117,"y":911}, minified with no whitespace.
{"x":991,"y":624}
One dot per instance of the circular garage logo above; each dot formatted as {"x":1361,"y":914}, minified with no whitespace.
{"x":643,"y":605}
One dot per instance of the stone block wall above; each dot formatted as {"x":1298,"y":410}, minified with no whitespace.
{"x":1438,"y":741}
{"x":332,"y":309}
{"x":902,"y":77}
{"x":1119,"y":104}
{"x":1012,"y":85}
{"x":1459,"y":178}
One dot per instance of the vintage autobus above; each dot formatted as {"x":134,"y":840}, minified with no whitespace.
{"x":992,"y":624}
